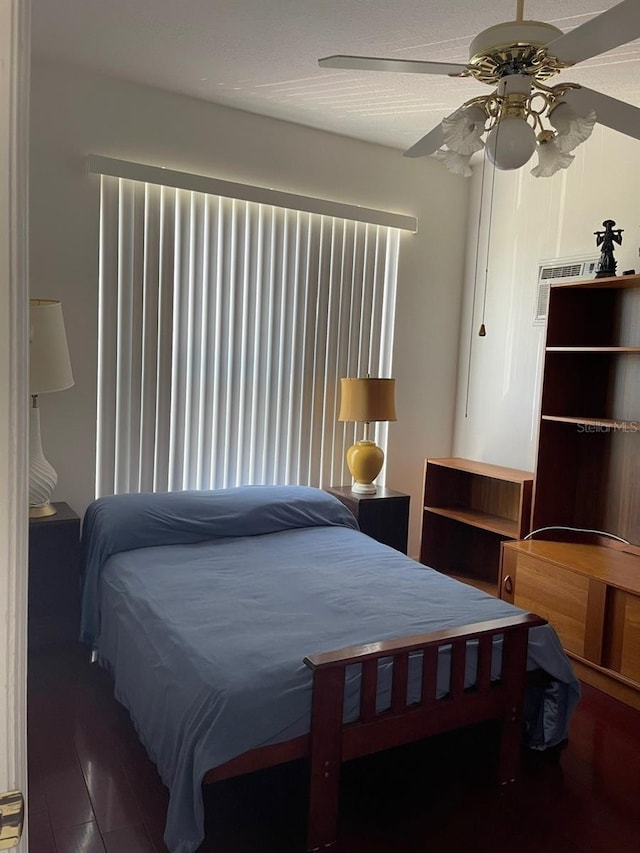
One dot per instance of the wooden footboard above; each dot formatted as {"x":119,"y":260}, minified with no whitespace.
{"x":333,"y":741}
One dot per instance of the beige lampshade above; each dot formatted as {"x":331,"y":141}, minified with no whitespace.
{"x":49,"y":363}
{"x":367,"y":400}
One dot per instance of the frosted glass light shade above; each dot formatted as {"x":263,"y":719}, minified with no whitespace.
{"x":463,"y":129}
{"x":572,"y":128}
{"x":49,"y":363}
{"x":457,"y":164}
{"x":511,"y":143}
{"x":550,"y":160}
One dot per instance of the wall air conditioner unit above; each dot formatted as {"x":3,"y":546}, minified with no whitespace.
{"x":560,"y":269}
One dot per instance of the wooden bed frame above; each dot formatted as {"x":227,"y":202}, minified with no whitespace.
{"x":331,"y":741}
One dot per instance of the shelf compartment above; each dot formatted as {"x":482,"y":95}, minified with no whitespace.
{"x":588,"y":478}
{"x":604,"y":313}
{"x":461,"y":550}
{"x":480,"y":469}
{"x":506,"y":527}
{"x":484,"y":495}
{"x":598,"y":385}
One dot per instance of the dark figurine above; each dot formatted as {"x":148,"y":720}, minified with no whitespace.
{"x":605,"y":239}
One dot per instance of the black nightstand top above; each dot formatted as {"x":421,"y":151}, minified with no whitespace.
{"x":63,"y":513}
{"x":381,"y":492}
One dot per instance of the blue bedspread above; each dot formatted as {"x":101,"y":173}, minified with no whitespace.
{"x":204,"y":620}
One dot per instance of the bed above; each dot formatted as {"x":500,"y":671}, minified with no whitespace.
{"x":250,"y":626}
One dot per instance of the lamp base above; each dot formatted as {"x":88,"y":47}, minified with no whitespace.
{"x":44,"y":511}
{"x":364,"y":489}
{"x":364,"y":461}
{"x":42,"y":477}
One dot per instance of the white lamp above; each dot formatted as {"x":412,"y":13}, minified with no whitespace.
{"x":363,"y":401}
{"x":49,"y":370}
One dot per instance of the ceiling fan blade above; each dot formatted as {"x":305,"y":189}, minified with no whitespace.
{"x":618,"y":115}
{"x":616,"y":26}
{"x":374,"y":63}
{"x":428,"y":144}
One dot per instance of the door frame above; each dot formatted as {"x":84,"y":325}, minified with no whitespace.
{"x":14,"y":397}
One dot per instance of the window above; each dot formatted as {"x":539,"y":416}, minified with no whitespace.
{"x":224,"y":327}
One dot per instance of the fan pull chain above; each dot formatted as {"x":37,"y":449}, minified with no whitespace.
{"x":475,"y":289}
{"x":483,"y":330}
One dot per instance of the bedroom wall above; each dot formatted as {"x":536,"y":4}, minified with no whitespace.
{"x":533,"y":219}
{"x":75,"y":114}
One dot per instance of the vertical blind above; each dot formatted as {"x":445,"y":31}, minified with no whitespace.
{"x":224,"y":328}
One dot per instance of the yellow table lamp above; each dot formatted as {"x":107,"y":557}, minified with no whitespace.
{"x":363,"y":401}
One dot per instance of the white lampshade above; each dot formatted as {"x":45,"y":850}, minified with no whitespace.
{"x":511,"y":143}
{"x":49,"y":363}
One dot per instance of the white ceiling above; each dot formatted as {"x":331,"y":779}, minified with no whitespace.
{"x":261,"y":55}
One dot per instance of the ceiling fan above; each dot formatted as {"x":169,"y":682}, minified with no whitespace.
{"x":522,"y":114}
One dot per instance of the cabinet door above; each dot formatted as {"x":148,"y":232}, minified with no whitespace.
{"x":558,"y":595}
{"x":630,"y":661}
{"x":623,"y":646}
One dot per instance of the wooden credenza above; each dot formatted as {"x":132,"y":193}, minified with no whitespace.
{"x":591,"y":596}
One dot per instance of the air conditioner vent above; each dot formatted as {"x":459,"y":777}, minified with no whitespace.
{"x":566,"y":271}
{"x":560,"y":269}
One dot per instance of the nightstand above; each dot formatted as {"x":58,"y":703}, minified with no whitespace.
{"x":54,"y":578}
{"x":383,"y":516}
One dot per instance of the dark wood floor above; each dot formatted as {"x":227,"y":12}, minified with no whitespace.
{"x":92,"y":787}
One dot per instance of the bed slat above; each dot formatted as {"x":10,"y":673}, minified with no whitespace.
{"x":458,"y":660}
{"x":399,"y":683}
{"x":368,"y":690}
{"x":485,"y":649}
{"x":429,"y":675}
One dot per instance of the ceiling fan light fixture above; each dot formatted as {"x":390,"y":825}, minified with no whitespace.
{"x":463,"y":129}
{"x":550,"y":157}
{"x":458,"y":164}
{"x":517,"y":58}
{"x":510,"y":143}
{"x":572,"y":128}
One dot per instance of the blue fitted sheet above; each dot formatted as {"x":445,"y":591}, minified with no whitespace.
{"x":206,"y":639}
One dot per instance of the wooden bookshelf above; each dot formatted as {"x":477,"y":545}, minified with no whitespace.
{"x":588,"y":467}
{"x":469,"y":508}
{"x":588,"y":481}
